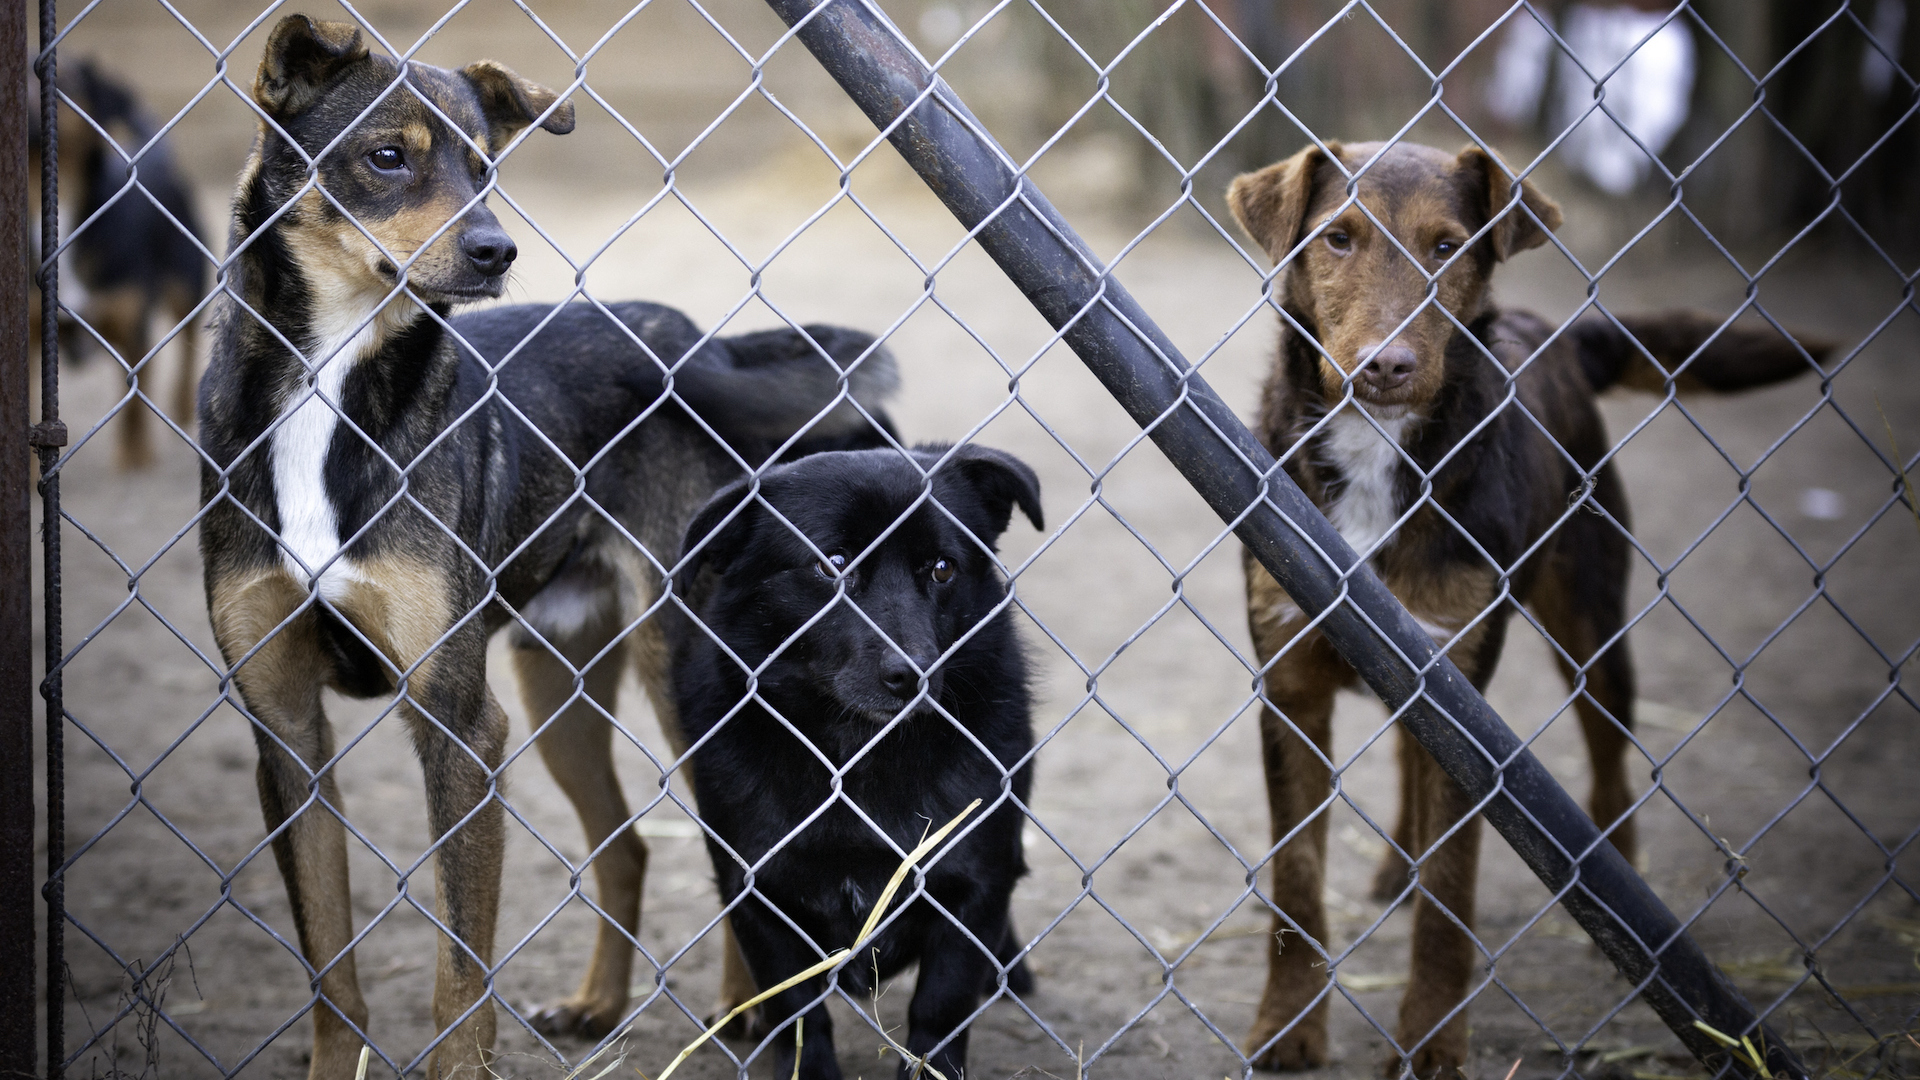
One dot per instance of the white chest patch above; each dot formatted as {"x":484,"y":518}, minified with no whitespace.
{"x":1368,"y":505}
{"x":309,"y":522}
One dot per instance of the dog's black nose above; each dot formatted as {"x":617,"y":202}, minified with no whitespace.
{"x":899,"y":676}
{"x":490,"y":249}
{"x":1387,"y":366}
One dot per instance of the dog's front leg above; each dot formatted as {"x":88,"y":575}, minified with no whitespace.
{"x":1444,"y":954}
{"x":952,"y":970}
{"x":1296,"y":730}
{"x":774,"y":953}
{"x":812,"y":1034}
{"x":461,"y":731}
{"x":650,"y":662}
{"x":281,"y":685}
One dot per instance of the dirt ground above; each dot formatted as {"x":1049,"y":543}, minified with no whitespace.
{"x":1775,"y":652}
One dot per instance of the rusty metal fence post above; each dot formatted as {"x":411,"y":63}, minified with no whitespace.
{"x":18,"y":1042}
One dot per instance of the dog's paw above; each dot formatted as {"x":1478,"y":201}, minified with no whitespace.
{"x":1444,"y":1057}
{"x":1390,"y":880}
{"x":578,"y":1019}
{"x":749,"y":1026}
{"x":1305,"y":1047}
{"x":1020,"y":978}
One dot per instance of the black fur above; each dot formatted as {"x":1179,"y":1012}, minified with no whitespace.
{"x":1538,"y":480}
{"x":754,"y":583}
{"x":582,"y":382}
{"x":132,"y":242}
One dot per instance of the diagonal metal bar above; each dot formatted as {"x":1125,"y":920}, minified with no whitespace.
{"x":1058,"y":273}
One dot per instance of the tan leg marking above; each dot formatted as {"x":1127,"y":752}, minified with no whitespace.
{"x":404,"y":608}
{"x":1444,"y":955}
{"x":1300,"y":686}
{"x":120,"y":315}
{"x":469,"y":862}
{"x":651,"y":661}
{"x":281,"y":687}
{"x":577,"y":748}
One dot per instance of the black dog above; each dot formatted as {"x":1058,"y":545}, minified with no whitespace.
{"x":917,"y":723}
{"x":137,"y":251}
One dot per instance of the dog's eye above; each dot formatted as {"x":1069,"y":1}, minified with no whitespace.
{"x":832,"y":565}
{"x":1445,"y":249}
{"x":942,"y":571}
{"x":1339,"y":241}
{"x":388,"y":159}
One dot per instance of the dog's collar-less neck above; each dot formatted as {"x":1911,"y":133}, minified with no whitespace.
{"x":347,"y":326}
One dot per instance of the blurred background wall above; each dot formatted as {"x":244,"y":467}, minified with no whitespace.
{"x":1191,"y":93}
{"x":1827,"y":88}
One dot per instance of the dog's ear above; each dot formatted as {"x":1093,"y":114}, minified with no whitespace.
{"x":718,"y":550}
{"x":1270,"y":204}
{"x":1525,"y":226}
{"x":303,"y":55}
{"x":510,"y":103}
{"x":1002,"y":481}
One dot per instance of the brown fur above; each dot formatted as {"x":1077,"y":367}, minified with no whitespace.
{"x":1381,"y":281}
{"x":1363,"y":286}
{"x":577,"y":750}
{"x":407,"y":604}
{"x":400,"y":607}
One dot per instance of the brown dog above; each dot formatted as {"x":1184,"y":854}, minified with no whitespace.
{"x":1383,"y":394}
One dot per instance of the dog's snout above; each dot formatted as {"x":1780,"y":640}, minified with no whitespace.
{"x":1387,"y":366}
{"x":490,"y":249}
{"x":899,"y":676}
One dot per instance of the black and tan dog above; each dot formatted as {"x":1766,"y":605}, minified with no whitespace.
{"x":136,"y":252}
{"x":888,"y":691}
{"x":382,"y":500}
{"x":1381,"y":389}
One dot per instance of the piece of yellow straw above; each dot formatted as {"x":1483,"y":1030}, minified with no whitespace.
{"x":1743,"y":1043}
{"x":827,"y":964}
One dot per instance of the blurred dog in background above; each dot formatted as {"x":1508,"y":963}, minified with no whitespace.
{"x":134,"y":253}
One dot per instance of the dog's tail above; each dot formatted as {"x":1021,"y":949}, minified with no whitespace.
{"x":1696,"y":351}
{"x":780,"y":380}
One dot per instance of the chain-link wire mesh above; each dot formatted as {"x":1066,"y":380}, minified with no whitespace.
{"x":713,"y":166}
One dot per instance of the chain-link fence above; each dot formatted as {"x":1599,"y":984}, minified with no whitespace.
{"x":1225,"y":871}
